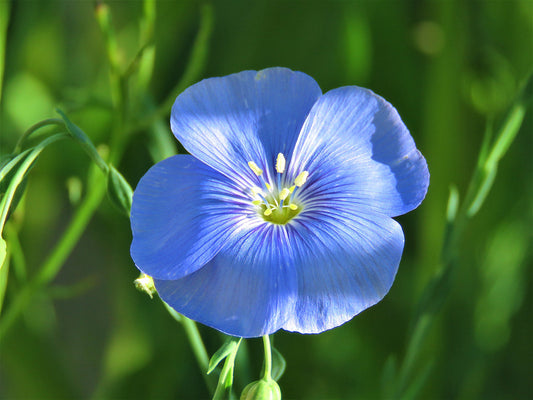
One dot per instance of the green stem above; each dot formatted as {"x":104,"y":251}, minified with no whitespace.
{"x":195,"y":66}
{"x":268,"y":358}
{"x":55,"y":260}
{"x":480,"y":184}
{"x":197,"y":345}
{"x":17,"y":253}
{"x":225,"y":379}
{"x":35,"y":127}
{"x":4,"y":21}
{"x":21,"y":173}
{"x":196,"y":342}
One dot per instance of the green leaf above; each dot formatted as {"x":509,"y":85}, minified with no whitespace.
{"x":453,"y":204}
{"x":507,"y":134}
{"x":82,"y":138}
{"x":8,"y":170}
{"x":3,"y":270}
{"x":225,"y":350}
{"x":278,"y":364}
{"x":3,"y":253}
{"x":119,"y":190}
{"x":225,"y":380}
{"x":29,"y":157}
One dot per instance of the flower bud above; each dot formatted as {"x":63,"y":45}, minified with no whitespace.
{"x":262,"y":390}
{"x":145,"y":284}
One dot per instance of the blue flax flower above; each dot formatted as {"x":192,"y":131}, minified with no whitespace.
{"x":281,"y":216}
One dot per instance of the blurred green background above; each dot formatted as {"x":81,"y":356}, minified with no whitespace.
{"x":447,"y":66}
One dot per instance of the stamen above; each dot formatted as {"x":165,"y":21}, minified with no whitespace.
{"x":253,"y":166}
{"x":284,"y":194}
{"x":280,"y":163}
{"x":272,"y":200}
{"x":256,"y":190}
{"x":301,"y":178}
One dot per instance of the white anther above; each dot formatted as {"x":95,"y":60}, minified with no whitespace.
{"x":284,"y":194}
{"x":280,"y":163}
{"x":301,"y":178}
{"x":253,"y":166}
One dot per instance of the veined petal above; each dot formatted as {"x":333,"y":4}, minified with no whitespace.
{"x":356,"y":138}
{"x":349,"y":264}
{"x":245,"y":290}
{"x":310,"y":275}
{"x":183,"y":212}
{"x":249,"y":116}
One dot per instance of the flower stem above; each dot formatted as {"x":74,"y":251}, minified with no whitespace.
{"x":55,"y":260}
{"x":35,"y":127}
{"x":197,"y":345}
{"x":268,"y":358}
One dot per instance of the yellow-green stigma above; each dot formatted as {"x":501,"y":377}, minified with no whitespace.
{"x":276,"y":203}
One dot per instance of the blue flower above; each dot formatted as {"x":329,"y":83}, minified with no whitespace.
{"x":281,"y":216}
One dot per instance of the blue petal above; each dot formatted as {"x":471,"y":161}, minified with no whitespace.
{"x":249,"y":116}
{"x":355,"y":139}
{"x":349,"y":265}
{"x":182,"y":213}
{"x":244,"y":290}
{"x":310,"y":275}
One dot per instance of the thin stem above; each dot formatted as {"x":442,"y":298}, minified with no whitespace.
{"x":17,"y":253}
{"x":197,"y":345}
{"x":55,"y":260}
{"x":4,"y":21}
{"x":268,"y":358}
{"x":35,"y":127}
{"x":20,"y":174}
{"x":225,"y":379}
{"x":194,"y":69}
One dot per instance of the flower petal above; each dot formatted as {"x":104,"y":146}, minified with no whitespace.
{"x":310,"y":275}
{"x":353,"y":135}
{"x":349,"y":265}
{"x":243,"y":291}
{"x":183,"y":212}
{"x":249,"y":116}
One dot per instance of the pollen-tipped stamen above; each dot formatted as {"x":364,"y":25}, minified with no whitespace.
{"x":277,"y":205}
{"x":253,"y":166}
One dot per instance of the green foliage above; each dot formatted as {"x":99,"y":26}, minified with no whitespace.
{"x":119,"y":191}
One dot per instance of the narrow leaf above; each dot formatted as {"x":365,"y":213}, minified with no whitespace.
{"x":82,"y":138}
{"x":4,"y":267}
{"x":226,"y":349}
{"x":278,"y":364}
{"x":119,"y":190}
{"x":453,"y":204}
{"x":3,"y":254}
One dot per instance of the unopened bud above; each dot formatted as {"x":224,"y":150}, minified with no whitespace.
{"x":262,"y":390}
{"x":145,"y":283}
